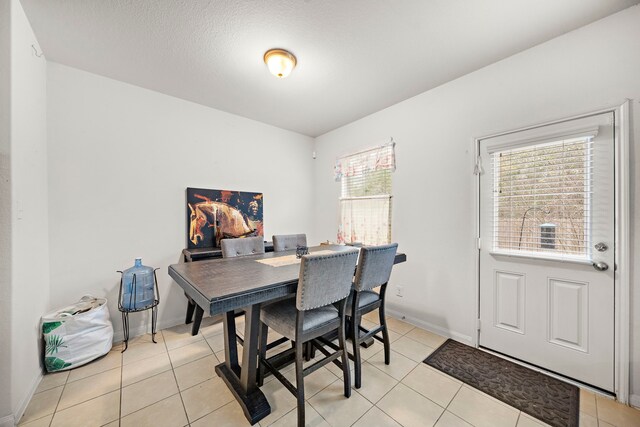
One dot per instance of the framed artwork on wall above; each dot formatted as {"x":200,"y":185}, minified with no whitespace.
{"x":229,"y":214}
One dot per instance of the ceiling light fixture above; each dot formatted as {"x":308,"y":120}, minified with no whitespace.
{"x":280,"y":62}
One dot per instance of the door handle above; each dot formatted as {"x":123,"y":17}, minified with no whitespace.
{"x":600,"y":266}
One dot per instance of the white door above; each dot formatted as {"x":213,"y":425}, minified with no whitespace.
{"x":547,"y":248}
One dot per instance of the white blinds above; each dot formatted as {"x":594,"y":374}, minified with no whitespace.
{"x":542,"y":196}
{"x":365,"y":202}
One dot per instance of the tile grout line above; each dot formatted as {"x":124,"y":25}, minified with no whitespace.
{"x":323,"y":389}
{"x":447,"y":407}
{"x":89,"y":376}
{"x":193,"y":385}
{"x":171,"y":369}
{"x":121,"y":387}
{"x":307,"y":398}
{"x":136,"y":382}
{"x":80,"y":379}
{"x":453,"y":398}
{"x":176,"y":379}
{"x":209,"y":413}
{"x":518,"y":419}
{"x":318,"y":412}
{"x":385,"y":395}
{"x":64,"y":386}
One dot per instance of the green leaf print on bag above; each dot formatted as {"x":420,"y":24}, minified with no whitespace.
{"x":54,"y":342}
{"x":50,"y":326}
{"x":55,"y":364}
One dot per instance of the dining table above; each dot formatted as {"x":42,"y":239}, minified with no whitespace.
{"x":222,"y":286}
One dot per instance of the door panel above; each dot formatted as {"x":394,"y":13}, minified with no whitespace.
{"x":569,"y":314}
{"x":545,"y":204}
{"x":509,"y":303}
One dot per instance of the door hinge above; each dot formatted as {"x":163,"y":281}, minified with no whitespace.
{"x":478,"y":324}
{"x":479,"y":243}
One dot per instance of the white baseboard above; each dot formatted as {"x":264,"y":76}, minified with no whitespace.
{"x":465,"y":339}
{"x":634,"y":400}
{"x":22,"y":406}
{"x":118,"y":336}
{"x":7,"y":421}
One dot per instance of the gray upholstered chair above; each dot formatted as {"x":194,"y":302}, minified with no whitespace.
{"x":230,"y":248}
{"x":233,"y":248}
{"x":324,"y":280}
{"x":242,"y":247}
{"x":374,"y":270}
{"x":288,"y":242}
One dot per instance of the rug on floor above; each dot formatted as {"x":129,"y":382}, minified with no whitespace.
{"x":541,"y":396}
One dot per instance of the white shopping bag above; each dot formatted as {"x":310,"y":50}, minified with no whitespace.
{"x":77,"y":334}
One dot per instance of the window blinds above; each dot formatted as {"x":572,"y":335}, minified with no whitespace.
{"x":365,"y":202}
{"x":542,"y":197}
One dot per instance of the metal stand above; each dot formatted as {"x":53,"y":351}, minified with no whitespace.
{"x":132,"y":303}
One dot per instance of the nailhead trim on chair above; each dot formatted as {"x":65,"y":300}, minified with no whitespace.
{"x":338,"y":255}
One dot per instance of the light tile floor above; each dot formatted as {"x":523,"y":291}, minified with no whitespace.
{"x":173,"y":383}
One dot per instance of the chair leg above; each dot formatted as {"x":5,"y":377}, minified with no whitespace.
{"x":355,"y":339}
{"x":385,"y":335}
{"x":342,"y":342}
{"x":300,"y":381}
{"x":307,"y":351}
{"x":262,"y":352}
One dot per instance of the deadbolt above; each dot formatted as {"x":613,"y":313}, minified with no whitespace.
{"x":601,"y":247}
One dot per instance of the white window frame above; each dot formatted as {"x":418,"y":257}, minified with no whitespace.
{"x":388,"y":197}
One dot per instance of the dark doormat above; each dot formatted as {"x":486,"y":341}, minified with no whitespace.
{"x":541,"y":396}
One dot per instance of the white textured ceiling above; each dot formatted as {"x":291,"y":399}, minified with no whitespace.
{"x":355,"y":57}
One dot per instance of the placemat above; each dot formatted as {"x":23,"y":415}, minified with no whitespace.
{"x":288,"y":259}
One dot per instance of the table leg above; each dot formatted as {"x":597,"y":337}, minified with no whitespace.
{"x":230,"y":344}
{"x":242,"y":381}
{"x":191,"y":306}
{"x":250,"y":349}
{"x":196,"y":322}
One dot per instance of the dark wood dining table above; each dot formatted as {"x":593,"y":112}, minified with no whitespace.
{"x":222,"y":286}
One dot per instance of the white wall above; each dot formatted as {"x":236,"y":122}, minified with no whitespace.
{"x":29,"y":219}
{"x":120,"y":159}
{"x":433,"y":214}
{"x":6,"y":414}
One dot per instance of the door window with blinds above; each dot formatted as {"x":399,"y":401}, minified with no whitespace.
{"x":365,"y":199}
{"x":543,"y":195}
{"x":542,"y":198}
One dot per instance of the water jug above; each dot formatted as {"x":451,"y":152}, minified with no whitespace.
{"x":137,"y":286}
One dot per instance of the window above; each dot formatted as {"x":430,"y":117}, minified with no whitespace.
{"x":365,"y":200}
{"x":542,"y":198}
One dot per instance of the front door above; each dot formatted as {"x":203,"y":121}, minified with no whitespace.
{"x":547,"y":247}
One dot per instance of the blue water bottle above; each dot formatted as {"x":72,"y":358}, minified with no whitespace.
{"x":137,"y":286}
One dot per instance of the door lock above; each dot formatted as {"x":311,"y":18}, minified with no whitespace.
{"x":601,"y":247}
{"x":601,"y":266}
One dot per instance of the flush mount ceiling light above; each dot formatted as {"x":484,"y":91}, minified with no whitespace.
{"x":280,"y":62}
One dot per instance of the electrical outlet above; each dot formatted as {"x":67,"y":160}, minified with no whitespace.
{"x":399,"y":291}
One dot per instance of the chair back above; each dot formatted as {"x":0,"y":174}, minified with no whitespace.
{"x":374,"y":267}
{"x":242,"y":247}
{"x":325,"y":278}
{"x":288,"y":242}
